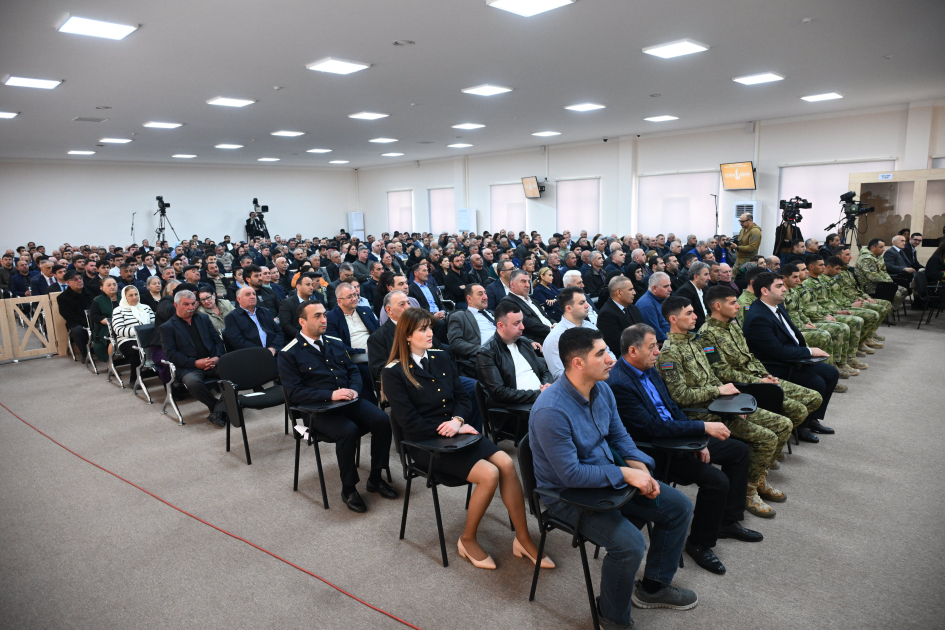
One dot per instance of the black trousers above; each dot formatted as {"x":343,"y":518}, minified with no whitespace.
{"x":81,"y":339}
{"x":721,"y":496}
{"x":820,"y":377}
{"x":345,"y":427}
{"x":196,"y":384}
{"x":367,"y":383}
{"x":129,"y":349}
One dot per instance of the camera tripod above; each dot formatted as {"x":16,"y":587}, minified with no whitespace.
{"x":159,"y":232}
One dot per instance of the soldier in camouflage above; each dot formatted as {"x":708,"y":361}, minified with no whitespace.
{"x":692,"y":383}
{"x":852,"y":291}
{"x":832,"y":278}
{"x":858,"y":325}
{"x":830,"y":338}
{"x":818,"y":308}
{"x":733,"y":362}
{"x":871,"y":269}
{"x":748,"y":295}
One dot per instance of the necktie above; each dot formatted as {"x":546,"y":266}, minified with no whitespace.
{"x":425,"y":364}
{"x":51,"y":280}
{"x":320,"y":345}
{"x":785,"y":324}
{"x":487,"y":315}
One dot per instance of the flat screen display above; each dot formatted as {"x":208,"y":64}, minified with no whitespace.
{"x":738,"y":176}
{"x":531,"y":187}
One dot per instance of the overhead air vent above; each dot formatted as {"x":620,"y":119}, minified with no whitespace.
{"x":95,"y":120}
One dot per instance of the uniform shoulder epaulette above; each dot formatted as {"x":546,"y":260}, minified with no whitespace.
{"x":393,"y":363}
{"x":332,"y":338}
{"x":290,"y":344}
{"x":434,"y":350}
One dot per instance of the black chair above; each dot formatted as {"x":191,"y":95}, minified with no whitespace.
{"x":143,"y":335}
{"x":931,"y":297}
{"x":169,"y":392}
{"x":886,"y":291}
{"x":769,"y":397}
{"x":249,"y":368}
{"x":89,"y":355}
{"x":586,"y":500}
{"x":495,"y":430}
{"x":433,"y":447}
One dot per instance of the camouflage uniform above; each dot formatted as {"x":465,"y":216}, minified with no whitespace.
{"x":871,"y":319}
{"x":821,"y":300}
{"x":849,"y":288}
{"x":692,"y":383}
{"x":733,"y":362}
{"x":872,"y":269}
{"x":745,"y":300}
{"x":816,"y":314}
{"x":822,"y":338}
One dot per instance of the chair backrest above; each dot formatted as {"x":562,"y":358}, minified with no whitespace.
{"x":143,"y":334}
{"x":527,"y":468}
{"x":233,"y":410}
{"x":397,"y":437}
{"x":885,"y":291}
{"x":88,"y":319}
{"x":769,"y":396}
{"x":921,"y":284}
{"x":481,"y":402}
{"x":248,"y":368}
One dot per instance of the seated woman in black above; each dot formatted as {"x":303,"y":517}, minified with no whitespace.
{"x":427,"y":399}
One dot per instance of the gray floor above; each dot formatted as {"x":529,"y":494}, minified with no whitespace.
{"x":859,"y":543}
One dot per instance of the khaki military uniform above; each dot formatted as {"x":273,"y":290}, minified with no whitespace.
{"x":871,"y":319}
{"x":749,"y":241}
{"x":872,"y":270}
{"x":849,"y":288}
{"x":727,"y":351}
{"x":817,"y":315}
{"x":745,"y":300}
{"x":822,"y":338}
{"x":692,"y":383}
{"x":821,"y":304}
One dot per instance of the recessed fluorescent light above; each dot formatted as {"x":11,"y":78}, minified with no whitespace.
{"x":115,"y":140}
{"x":821,"y":97}
{"x":545,"y":134}
{"x":268,"y":160}
{"x":319,"y":151}
{"x":338,"y":162}
{"x":486,"y":90}
{"x":764,"y":77}
{"x":95,"y":28}
{"x":8,"y":114}
{"x":391,"y":154}
{"x":337,"y":66}
{"x":468,"y":126}
{"x":458,"y":145}
{"x":383,"y":140}
{"x":675,"y":49}
{"x":184,"y":156}
{"x":162,"y":125}
{"x":229,"y":102}
{"x":288,"y":134}
{"x":229,"y":146}
{"x":584,"y":107}
{"x":660,"y":118}
{"x":528,"y":8}
{"x":368,"y":115}
{"x":43,"y":84}
{"x":81,"y":152}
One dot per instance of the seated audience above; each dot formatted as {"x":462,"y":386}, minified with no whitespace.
{"x":546,"y":293}
{"x":692,"y":290}
{"x":152,"y":291}
{"x":72,"y":306}
{"x":576,"y":308}
{"x":289,"y":307}
{"x":470,"y":328}
{"x":650,"y":304}
{"x":935,"y":268}
{"x":130,"y":314}
{"x":250,"y":325}
{"x":101,"y":309}
{"x":618,"y":312}
{"x":214,"y":308}
{"x":352,"y":325}
{"x":497,"y":290}
{"x":537,"y":326}
{"x":43,"y":282}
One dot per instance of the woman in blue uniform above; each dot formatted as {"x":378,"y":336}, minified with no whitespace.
{"x":427,"y":399}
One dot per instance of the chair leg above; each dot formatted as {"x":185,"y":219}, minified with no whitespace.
{"x":439,"y":524}
{"x":287,"y":420}
{"x":357,"y":455}
{"x":541,"y":550}
{"x":468,"y":494}
{"x":228,"y":433}
{"x":249,"y":460}
{"x":298,"y":448}
{"x":590,"y":586}
{"x":321,"y":475}
{"x":403,"y":519}
{"x":389,"y":478}
{"x":596,"y":551}
{"x":169,"y":400}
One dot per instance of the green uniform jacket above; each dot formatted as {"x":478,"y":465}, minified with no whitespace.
{"x":848,"y":286}
{"x":746,"y":299}
{"x":686,"y":372}
{"x":818,"y":306}
{"x":731,"y":360}
{"x":871,"y":270}
{"x":749,"y":241}
{"x":831,"y":296}
{"x":794,"y":303}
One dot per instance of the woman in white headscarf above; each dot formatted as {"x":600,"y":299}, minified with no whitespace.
{"x":130,"y":314}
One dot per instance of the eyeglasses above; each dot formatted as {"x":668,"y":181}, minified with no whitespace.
{"x":349,"y":297}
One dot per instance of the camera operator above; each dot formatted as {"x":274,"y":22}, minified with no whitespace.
{"x":253,"y":227}
{"x":748,"y":240}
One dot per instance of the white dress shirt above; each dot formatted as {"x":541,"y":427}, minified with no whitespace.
{"x":525,"y":377}
{"x":486,"y":328}
{"x":536,"y":310}
{"x":550,"y":346}
{"x":359,"y":335}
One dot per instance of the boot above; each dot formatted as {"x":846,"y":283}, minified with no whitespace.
{"x":765,"y":491}
{"x":755,"y":505}
{"x":857,"y":364}
{"x":872,"y":342}
{"x":844,"y":371}
{"x":840,"y":388}
{"x":878,"y":337}
{"x":852,"y":371}
{"x":864,"y":348}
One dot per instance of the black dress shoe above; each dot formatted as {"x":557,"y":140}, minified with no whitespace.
{"x":218,"y":419}
{"x":806,"y":435}
{"x":705,"y":558}
{"x":736,"y":531}
{"x":354,"y":502}
{"x":383,"y":488}
{"x":816,"y":427}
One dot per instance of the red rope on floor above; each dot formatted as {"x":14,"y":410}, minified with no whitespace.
{"x":197,"y":518}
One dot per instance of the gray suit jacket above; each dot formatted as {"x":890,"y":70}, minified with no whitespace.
{"x":465,"y":340}
{"x":895,"y":261}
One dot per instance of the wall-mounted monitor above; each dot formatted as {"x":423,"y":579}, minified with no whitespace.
{"x":532,"y":189}
{"x":738,"y":176}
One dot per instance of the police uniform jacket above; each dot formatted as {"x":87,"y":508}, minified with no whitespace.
{"x":309,"y":375}
{"x":441,"y":395}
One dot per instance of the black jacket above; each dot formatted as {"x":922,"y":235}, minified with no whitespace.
{"x":593,"y":282}
{"x":440,"y":397}
{"x":288,"y":316}
{"x":380,"y":343}
{"x":896,"y":262}
{"x":613,"y":320}
{"x":768,"y":340}
{"x":495,"y":292}
{"x":535,"y":329}
{"x":496,"y":371}
{"x":241,"y":331}
{"x":309,"y":376}
{"x":453,"y":281}
{"x":688,"y":291}
{"x":72,"y":306}
{"x":179,"y":347}
{"x":164,"y":311}
{"x":416,"y":293}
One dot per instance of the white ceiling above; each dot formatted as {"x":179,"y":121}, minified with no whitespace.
{"x":187,"y":52}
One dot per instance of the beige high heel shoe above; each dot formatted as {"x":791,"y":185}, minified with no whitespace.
{"x":488,"y":563}
{"x":518,"y":551}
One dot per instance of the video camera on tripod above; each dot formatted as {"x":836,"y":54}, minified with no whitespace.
{"x":159,"y":233}
{"x":853,"y":209}
{"x":791,"y":209}
{"x":162,"y":205}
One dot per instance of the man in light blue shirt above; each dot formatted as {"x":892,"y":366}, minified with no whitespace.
{"x":576,"y":308}
{"x":579,"y":441}
{"x":651,"y":304}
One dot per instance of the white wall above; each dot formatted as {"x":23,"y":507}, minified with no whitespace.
{"x":52,"y":203}
{"x":375,"y":183}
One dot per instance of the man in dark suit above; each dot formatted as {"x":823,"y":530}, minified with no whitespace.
{"x":699,"y":276}
{"x":618,"y":312}
{"x":537,"y":326}
{"x":470,"y":328}
{"x":775,"y":341}
{"x":352,"y":325}
{"x":898,"y":265}
{"x":289,"y":307}
{"x":45,"y":281}
{"x":72,"y":306}
{"x":456,"y":279}
{"x":369,"y":286}
{"x":427,"y":295}
{"x":192,"y":344}
{"x":498,"y":290}
{"x":648,"y":412}
{"x":251,"y":326}
{"x":478,"y":271}
{"x":594,"y":277}
{"x":912,"y":255}
{"x":316,"y":368}
{"x":345,"y":274}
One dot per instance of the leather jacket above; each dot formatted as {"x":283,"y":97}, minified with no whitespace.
{"x":496,"y":371}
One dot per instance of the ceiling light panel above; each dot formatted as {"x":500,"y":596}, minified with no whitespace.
{"x":754,"y":79}
{"x":81,"y":152}
{"x":661,"y":118}
{"x":229,"y":102}
{"x":486,"y":90}
{"x":584,"y":107}
{"x":115,"y":140}
{"x":383,"y":140}
{"x":42,"y":84}
{"x":8,"y":114}
{"x":338,"y":162}
{"x":95,"y":28}
{"x":162,"y":125}
{"x":528,"y":8}
{"x":229,"y":146}
{"x":368,"y":115}
{"x":288,"y":134}
{"x":391,"y":154}
{"x":546,"y":134}
{"x":337,"y":66}
{"x":319,"y":151}
{"x":184,"y":156}
{"x":468,"y":126}
{"x":268,"y":160}
{"x":829,"y":96}
{"x":675,"y":49}
{"x":458,"y":145}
